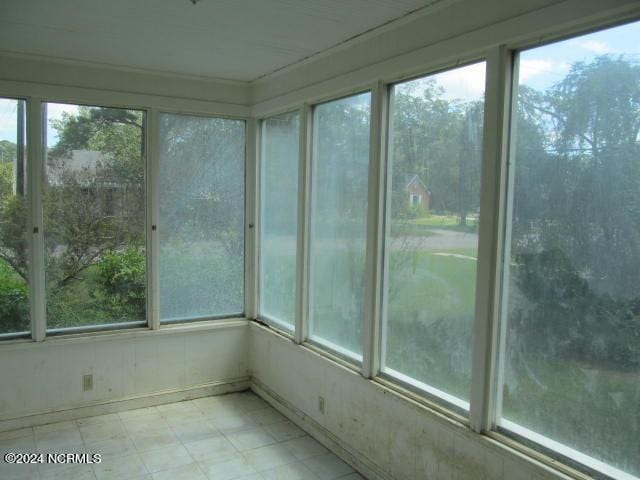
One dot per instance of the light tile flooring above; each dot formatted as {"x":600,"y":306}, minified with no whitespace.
{"x":229,"y":437}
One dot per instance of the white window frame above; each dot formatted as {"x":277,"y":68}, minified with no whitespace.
{"x":495,"y":191}
{"x":278,"y":324}
{"x":480,"y":416}
{"x":38,"y":237}
{"x":334,"y":351}
{"x":250,"y":219}
{"x":35,"y":96}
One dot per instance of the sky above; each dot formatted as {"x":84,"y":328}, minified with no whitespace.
{"x":543,"y":66}
{"x":8,"y":120}
{"x":540,"y":68}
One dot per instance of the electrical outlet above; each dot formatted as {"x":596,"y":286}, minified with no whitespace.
{"x":87,"y":382}
{"x":321,"y":405}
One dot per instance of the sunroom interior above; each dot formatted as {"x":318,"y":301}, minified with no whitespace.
{"x":401,"y":240}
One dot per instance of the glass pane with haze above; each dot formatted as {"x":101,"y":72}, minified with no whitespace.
{"x":94,"y":215}
{"x":571,"y":311}
{"x":14,"y":284}
{"x":340,"y":163}
{"x":201,"y":228}
{"x":278,"y":218}
{"x":435,"y":152}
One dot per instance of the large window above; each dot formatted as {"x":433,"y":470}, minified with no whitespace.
{"x":571,"y":314}
{"x":340,"y":163}
{"x":435,"y":140}
{"x":14,"y":285}
{"x":94,"y":216}
{"x":278,"y":218}
{"x":201,"y":226}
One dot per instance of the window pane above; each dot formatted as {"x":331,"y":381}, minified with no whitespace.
{"x":14,"y":286}
{"x":338,"y":222}
{"x":435,"y":152}
{"x":572,"y":279}
{"x":278,"y":220}
{"x":201,"y":217}
{"x":94,"y":213}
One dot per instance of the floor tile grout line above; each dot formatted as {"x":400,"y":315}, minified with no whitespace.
{"x":173,"y":428}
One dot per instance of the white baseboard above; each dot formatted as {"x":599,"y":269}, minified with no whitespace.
{"x":128,"y":403}
{"x":346,"y":452}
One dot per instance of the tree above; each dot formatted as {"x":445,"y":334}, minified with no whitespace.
{"x":76,"y":212}
{"x":93,"y":209}
{"x":574,"y":303}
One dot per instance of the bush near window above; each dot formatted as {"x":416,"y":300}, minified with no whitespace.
{"x":14,"y":301}
{"x":122,"y":275}
{"x":94,"y":212}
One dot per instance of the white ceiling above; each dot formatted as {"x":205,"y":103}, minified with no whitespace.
{"x":232,"y":39}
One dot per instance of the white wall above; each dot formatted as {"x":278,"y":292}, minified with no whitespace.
{"x":384,"y":434}
{"x":41,"y":382}
{"x":387,"y":434}
{"x":46,"y":377}
{"x":41,"y":70}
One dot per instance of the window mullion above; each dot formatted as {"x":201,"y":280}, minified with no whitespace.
{"x":304,"y":209}
{"x":153,"y":207}
{"x":36,"y":132}
{"x":492,"y":208}
{"x":375,"y":232}
{"x":251,"y":218}
{"x":259,"y":138}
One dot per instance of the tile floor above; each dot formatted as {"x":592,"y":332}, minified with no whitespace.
{"x":229,"y":437}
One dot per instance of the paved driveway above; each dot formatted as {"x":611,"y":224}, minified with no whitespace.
{"x":440,"y":240}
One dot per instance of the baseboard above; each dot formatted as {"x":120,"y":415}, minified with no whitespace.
{"x":346,"y":452}
{"x":128,"y":403}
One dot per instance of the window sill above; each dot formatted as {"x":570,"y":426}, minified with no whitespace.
{"x":554,"y":454}
{"x":493,"y":440}
{"x":171,"y":329}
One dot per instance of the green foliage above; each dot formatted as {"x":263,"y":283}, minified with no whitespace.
{"x":13,"y":233}
{"x":574,"y":307}
{"x":6,"y":179}
{"x":122,"y":275}
{"x":202,"y":183}
{"x":14,"y":301}
{"x":221,"y":274}
{"x":440,"y":141}
{"x":562,"y":307}
{"x":94,"y":218}
{"x":8,"y":152}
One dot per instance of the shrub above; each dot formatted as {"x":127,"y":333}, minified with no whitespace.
{"x":14,"y":302}
{"x":122,"y":275}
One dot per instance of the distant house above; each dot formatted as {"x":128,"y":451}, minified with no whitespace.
{"x":88,"y":170}
{"x":418,"y":195}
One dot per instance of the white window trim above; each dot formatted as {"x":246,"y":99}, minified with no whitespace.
{"x":485,"y":401}
{"x":565,"y":451}
{"x":35,"y":96}
{"x":35,"y":165}
{"x":288,"y":328}
{"x":486,"y":374}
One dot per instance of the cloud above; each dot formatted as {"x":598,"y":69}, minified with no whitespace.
{"x":533,"y":68}
{"x":542,"y":73}
{"x":465,"y":83}
{"x":55,"y":110}
{"x":596,"y":46}
{"x":8,"y":120}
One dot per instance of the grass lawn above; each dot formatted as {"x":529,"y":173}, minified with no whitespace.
{"x":435,"y":221}
{"x":429,"y":285}
{"x":448,"y":222}
{"x":430,"y":317}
